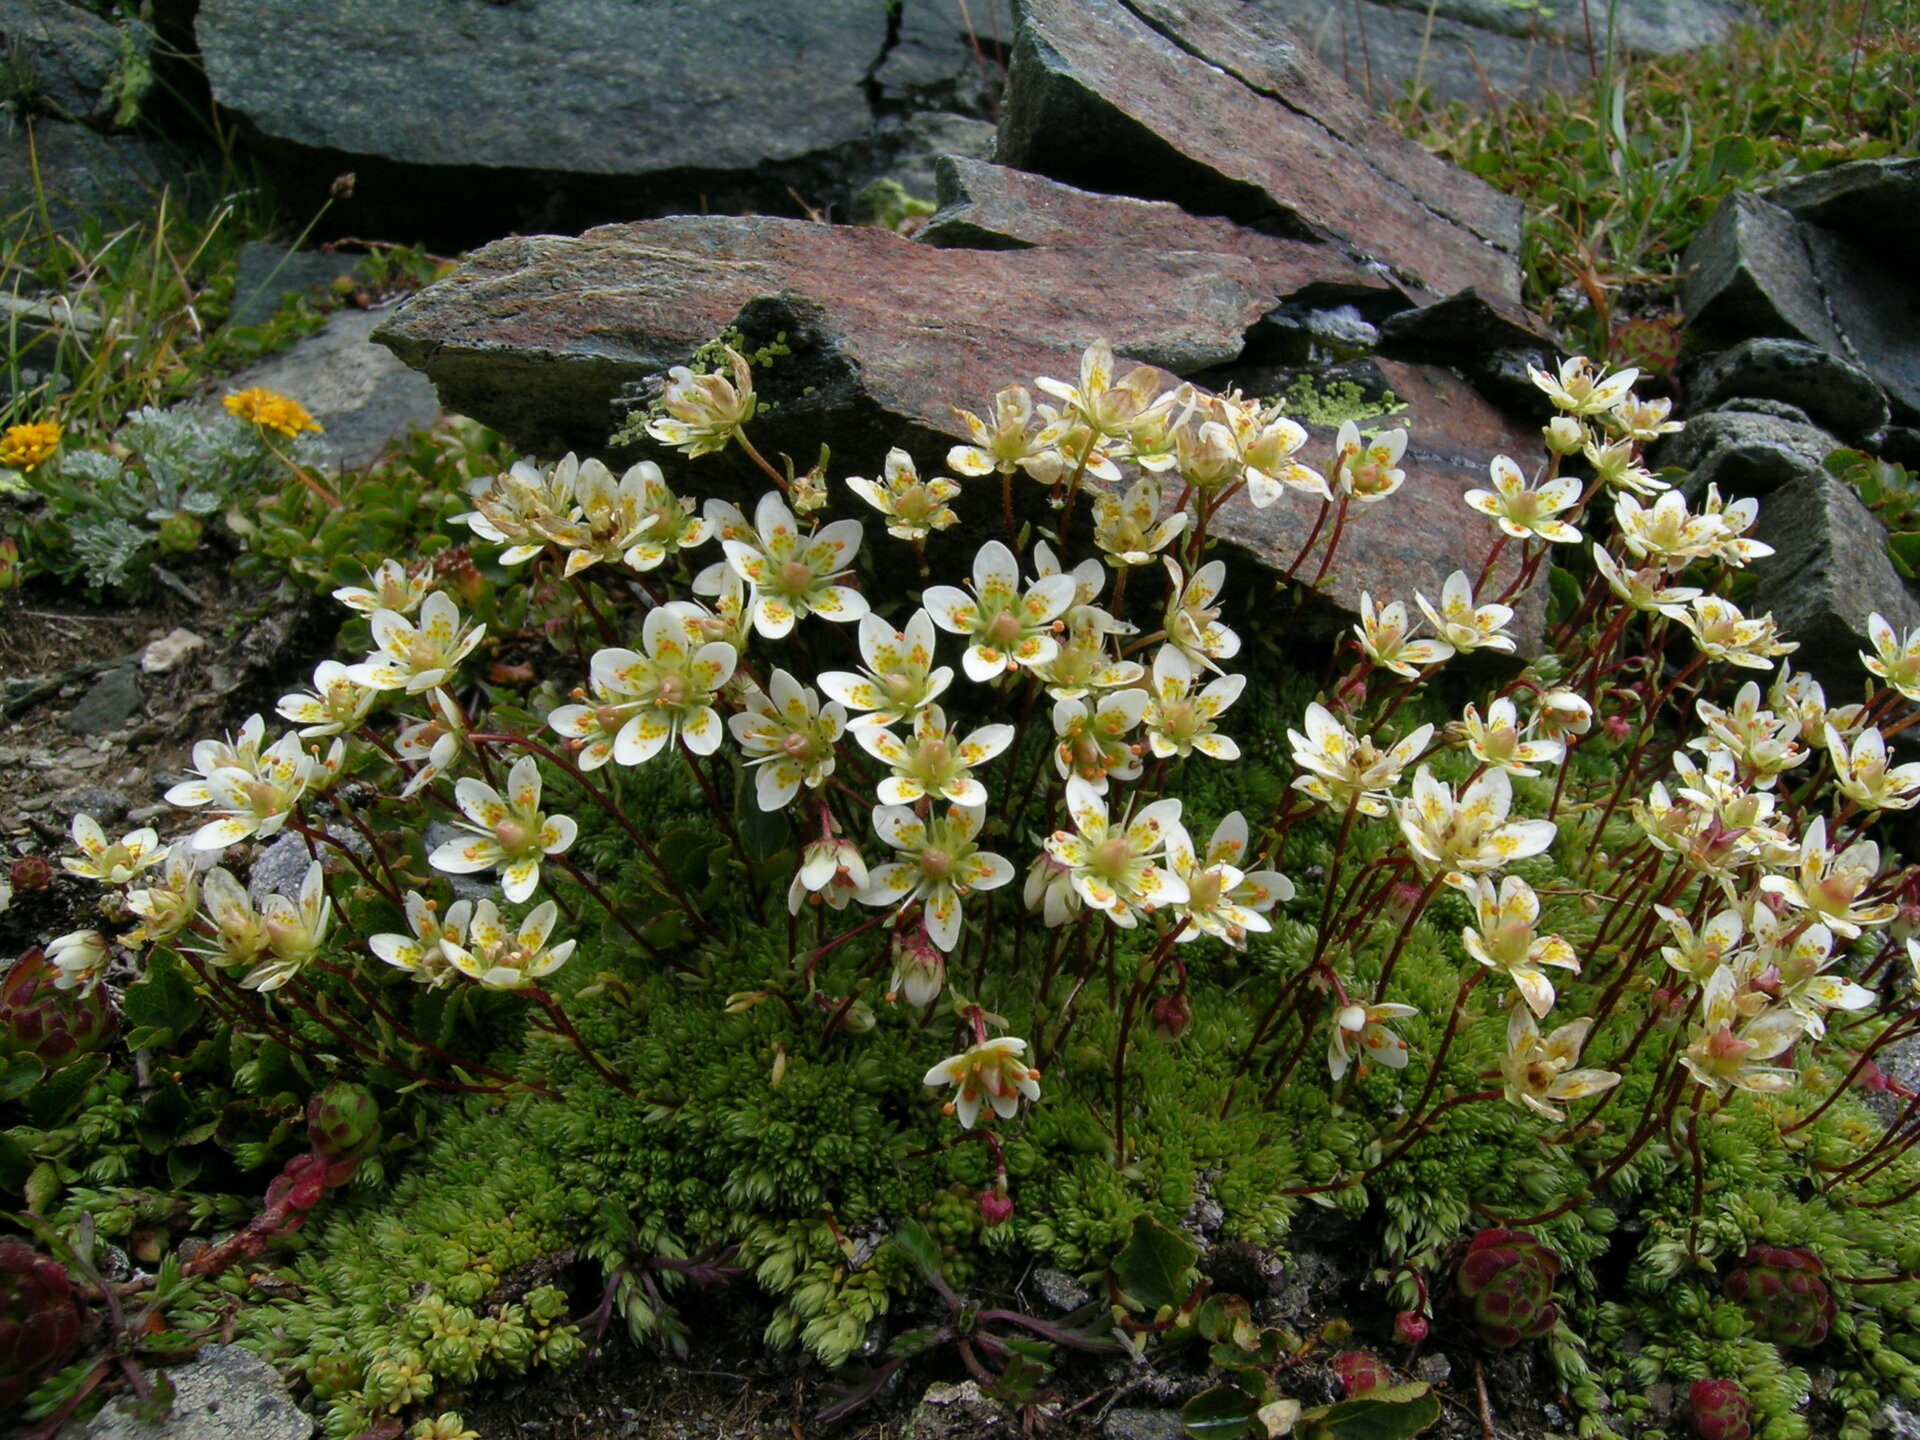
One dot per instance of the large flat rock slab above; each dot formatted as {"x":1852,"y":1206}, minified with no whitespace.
{"x":1220,"y":110}
{"x":583,"y":87}
{"x":537,"y":338}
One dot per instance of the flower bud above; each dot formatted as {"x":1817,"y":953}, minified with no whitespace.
{"x":1564,"y":435}
{"x":29,"y":873}
{"x":343,"y":1119}
{"x":1409,"y":1327}
{"x":996,"y":1206}
{"x":1170,"y":1017}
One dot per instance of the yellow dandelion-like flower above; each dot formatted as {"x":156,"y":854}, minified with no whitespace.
{"x":27,"y":447}
{"x":271,"y":410}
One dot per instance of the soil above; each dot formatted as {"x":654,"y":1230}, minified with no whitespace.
{"x":57,"y":646}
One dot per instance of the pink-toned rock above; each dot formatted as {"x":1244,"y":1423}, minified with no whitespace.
{"x":537,"y":337}
{"x":1217,"y":108}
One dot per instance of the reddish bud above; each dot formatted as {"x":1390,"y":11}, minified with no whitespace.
{"x":1170,"y":1017}
{"x":996,"y":1206}
{"x":1721,"y":1410}
{"x":30,"y":872}
{"x":1361,"y":1372}
{"x":1410,"y":1327}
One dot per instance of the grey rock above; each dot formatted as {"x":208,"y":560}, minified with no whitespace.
{"x":226,"y":1394}
{"x":1828,"y":572}
{"x":105,"y":803}
{"x":282,"y":867}
{"x":579,"y":87}
{"x":1875,"y":203}
{"x":110,"y":702}
{"x":934,"y":57}
{"x":909,"y":151}
{"x":1746,"y":453}
{"x":65,"y":57}
{"x":955,"y":1412}
{"x":1901,"y":1423}
{"x":1749,"y":272}
{"x":1875,"y":305}
{"x":1061,"y":1290}
{"x":1384,"y":52}
{"x":1433,"y":1368}
{"x":1778,"y":409}
{"x":82,"y":176}
{"x":1833,"y":393}
{"x":995,"y":207}
{"x":268,"y":274}
{"x":361,"y":395}
{"x":1133,"y":97}
{"x":1127,"y":1423}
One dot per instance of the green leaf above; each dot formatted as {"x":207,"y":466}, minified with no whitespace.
{"x":917,"y":1245}
{"x":19,"y":1075}
{"x":1904,"y":547}
{"x":1373,"y":1419}
{"x":15,"y":1164}
{"x":1563,"y":596}
{"x":1732,"y":155}
{"x":164,"y":1000}
{"x":1221,"y":1316}
{"x":1155,"y":1269}
{"x":61,"y":1093}
{"x":1221,"y":1413}
{"x":41,"y":1187}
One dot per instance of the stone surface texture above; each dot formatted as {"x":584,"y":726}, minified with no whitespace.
{"x":589,"y":87}
{"x":267,"y":274}
{"x":66,"y":56}
{"x":226,"y":1394}
{"x":1748,"y":272}
{"x":1221,"y":110}
{"x":1748,"y":452}
{"x":362,"y":396}
{"x":1829,"y":572}
{"x":1831,"y":391}
{"x":536,"y":336}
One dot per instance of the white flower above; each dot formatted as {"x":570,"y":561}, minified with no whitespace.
{"x":1008,"y":627}
{"x":1579,"y":389}
{"x":1831,"y":886}
{"x":499,"y":959}
{"x":389,"y":587}
{"x":1366,"y":471}
{"x":1862,"y":774}
{"x":1470,"y":835}
{"x":1464,"y":625}
{"x":1109,"y":407}
{"x":435,"y":742}
{"x":1643,"y":420}
{"x":1092,"y":743}
{"x":1722,"y":1058}
{"x":1192,"y":619}
{"x":1343,"y":770}
{"x":507,"y":833}
{"x":1383,"y":635}
{"x":1896,"y":658}
{"x":935,"y":762}
{"x":900,"y":676}
{"x":169,"y":907}
{"x":788,"y":736}
{"x":336,"y":704}
{"x":417,"y":657}
{"x":675,"y":527}
{"x":1363,"y":1025}
{"x":1223,"y":900}
{"x":1665,"y":531}
{"x":1177,"y":720}
{"x":914,"y":508}
{"x":1723,"y":633}
{"x":991,"y":1073}
{"x":1497,"y":741}
{"x":510,"y":508}
{"x":80,"y":957}
{"x":1112,"y":866}
{"x":935,"y":862}
{"x":421,"y":954}
{"x":295,"y":930}
{"x":794,"y":575}
{"x":118,"y":863}
{"x":256,"y":800}
{"x":704,"y":412}
{"x":644,"y":702}
{"x":831,"y":871}
{"x":1765,"y":744}
{"x":1540,"y":1071}
{"x":1522,"y":511}
{"x":1505,"y":940}
{"x":608,"y":516}
{"x":1127,"y":528}
{"x":1645,"y":588}
{"x":1016,"y":440}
